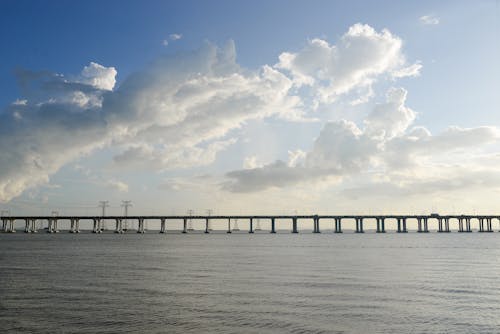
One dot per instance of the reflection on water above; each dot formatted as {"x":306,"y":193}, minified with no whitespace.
{"x":262,"y":283}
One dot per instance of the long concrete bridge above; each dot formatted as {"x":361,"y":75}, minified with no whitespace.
{"x":463,"y":223}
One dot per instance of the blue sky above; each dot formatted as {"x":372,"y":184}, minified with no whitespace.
{"x":455,"y":44}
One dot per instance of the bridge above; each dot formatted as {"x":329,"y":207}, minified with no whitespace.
{"x":463,"y":223}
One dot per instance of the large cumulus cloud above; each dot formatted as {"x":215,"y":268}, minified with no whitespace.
{"x":169,"y":115}
{"x":181,"y":110}
{"x":385,"y":149}
{"x":359,"y":58}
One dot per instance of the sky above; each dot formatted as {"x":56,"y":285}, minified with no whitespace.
{"x":240,"y":107}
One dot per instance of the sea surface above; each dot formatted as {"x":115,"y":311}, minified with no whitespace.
{"x":241,"y":283}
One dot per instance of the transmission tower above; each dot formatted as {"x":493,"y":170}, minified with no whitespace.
{"x":126,"y":205}
{"x":103,"y":205}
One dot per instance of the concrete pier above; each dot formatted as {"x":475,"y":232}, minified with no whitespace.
{"x":10,"y":226}
{"x":481,"y":224}
{"x":381,"y":225}
{"x":163,"y":226}
{"x":118,"y":225}
{"x":402,"y":225}
{"x":338,"y":225}
{"x":294,"y":225}
{"x":250,"y":230}
{"x":273,"y":225}
{"x":359,"y":225}
{"x":316,"y":225}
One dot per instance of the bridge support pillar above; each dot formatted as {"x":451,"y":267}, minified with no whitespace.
{"x":447,"y":224}
{"x":27,"y":222}
{"x":75,"y":228}
{"x":399,"y":226}
{"x":50,"y":226}
{"x":184,"y":225}
{"x":359,"y":225}
{"x":481,"y":224}
{"x":490,"y":226}
{"x":294,"y":225}
{"x":273,"y":225}
{"x":33,"y":226}
{"x":12,"y":229}
{"x":380,"y":225}
{"x":338,"y":225}
{"x":460,"y":225}
{"x":229,"y":226}
{"x":316,"y":225}
{"x":95,"y":227}
{"x":403,"y":225}
{"x":163,"y":227}
{"x":118,"y":226}
{"x":140,"y":226}
{"x":440,"y":225}
{"x":250,"y":230}
{"x":207,"y":225}
{"x":467,"y":225}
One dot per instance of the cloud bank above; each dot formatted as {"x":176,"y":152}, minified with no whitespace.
{"x":180,"y":111}
{"x":385,"y":151}
{"x":169,"y":115}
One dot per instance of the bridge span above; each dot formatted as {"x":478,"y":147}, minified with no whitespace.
{"x":462,"y":223}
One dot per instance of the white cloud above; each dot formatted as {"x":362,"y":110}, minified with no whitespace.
{"x":117,"y":185}
{"x":385,"y":149}
{"x":18,"y":102}
{"x":150,"y":157}
{"x":430,"y":19}
{"x":181,"y":110}
{"x":296,"y":157}
{"x":49,"y":130}
{"x":98,"y":76}
{"x":392,"y":118}
{"x":251,"y":162}
{"x":175,"y":37}
{"x":409,"y":71}
{"x":164,"y":42}
{"x":172,"y":114}
{"x":360,"y":57}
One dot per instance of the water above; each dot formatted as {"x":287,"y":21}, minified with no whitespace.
{"x":240,"y":283}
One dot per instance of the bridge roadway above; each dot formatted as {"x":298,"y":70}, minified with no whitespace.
{"x":464,"y":222}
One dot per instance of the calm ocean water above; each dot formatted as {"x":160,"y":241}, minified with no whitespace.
{"x":240,"y":283}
